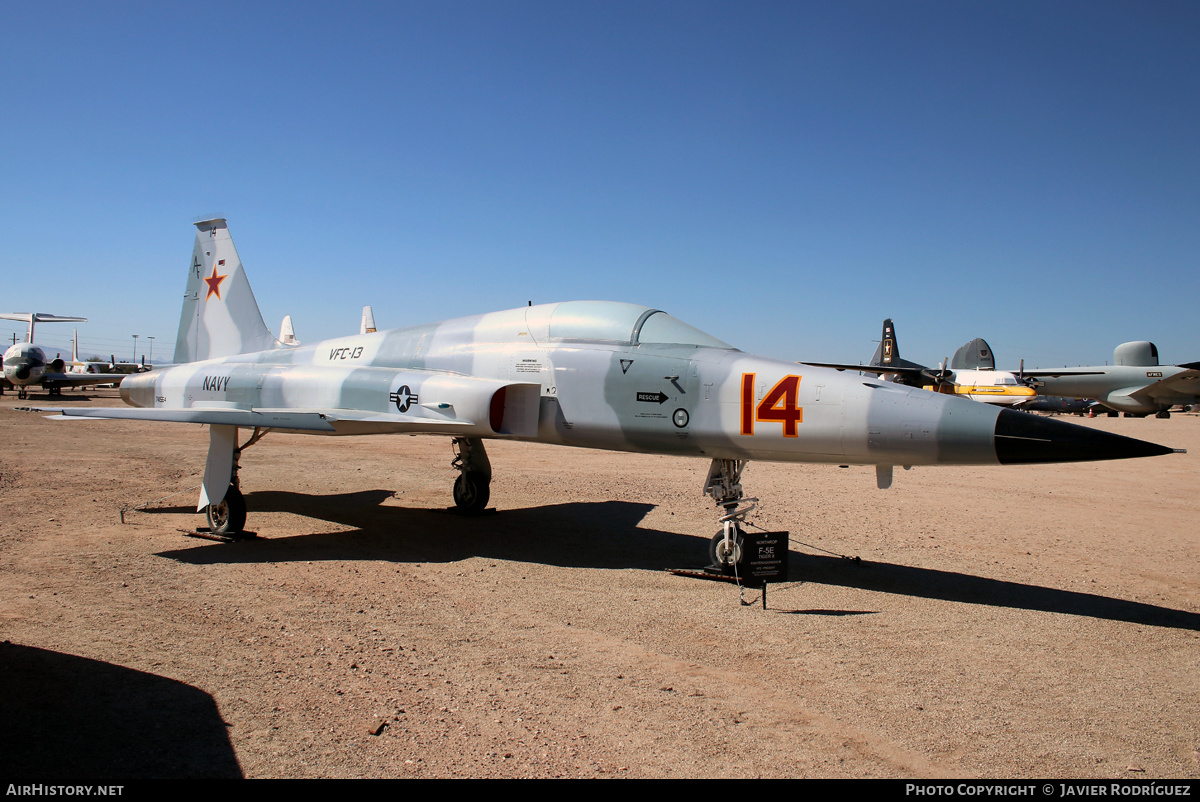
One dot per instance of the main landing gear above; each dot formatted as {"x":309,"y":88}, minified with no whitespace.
{"x":472,"y":488}
{"x":227,"y":518}
{"x":724,"y":485}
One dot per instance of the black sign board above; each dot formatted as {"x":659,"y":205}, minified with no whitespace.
{"x":765,"y":556}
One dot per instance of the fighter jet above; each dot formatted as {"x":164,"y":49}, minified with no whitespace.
{"x":972,"y":372}
{"x":596,"y":374}
{"x":1134,"y":384}
{"x":27,"y":365}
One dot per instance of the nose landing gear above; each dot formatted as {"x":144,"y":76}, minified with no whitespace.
{"x":724,"y":485}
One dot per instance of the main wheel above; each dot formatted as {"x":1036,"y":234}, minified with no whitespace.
{"x":228,"y":517}
{"x":726,"y":555}
{"x":471,"y":491}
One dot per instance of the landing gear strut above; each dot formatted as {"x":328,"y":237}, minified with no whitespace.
{"x":228,"y":516}
{"x":472,"y":488}
{"x":724,"y":485}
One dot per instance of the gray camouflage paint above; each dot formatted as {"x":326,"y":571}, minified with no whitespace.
{"x":576,"y":373}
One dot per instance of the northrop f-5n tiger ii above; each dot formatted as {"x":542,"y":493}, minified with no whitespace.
{"x":595,"y":374}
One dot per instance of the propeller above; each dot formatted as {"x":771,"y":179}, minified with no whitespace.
{"x":942,"y":379}
{"x":1028,"y":382}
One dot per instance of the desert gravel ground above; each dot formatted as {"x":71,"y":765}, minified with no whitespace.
{"x":1002,"y":623}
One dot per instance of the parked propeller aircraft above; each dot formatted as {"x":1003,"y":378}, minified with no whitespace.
{"x":973,"y":373}
{"x":596,"y":374}
{"x":1134,"y":384}
{"x":26,"y":365}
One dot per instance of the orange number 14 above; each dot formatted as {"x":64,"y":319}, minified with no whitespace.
{"x":778,"y":405}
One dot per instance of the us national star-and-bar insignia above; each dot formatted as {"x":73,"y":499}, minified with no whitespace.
{"x":214,"y":283}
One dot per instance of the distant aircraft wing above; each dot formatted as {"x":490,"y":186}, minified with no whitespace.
{"x":1056,"y":372}
{"x":914,"y":375}
{"x":880,"y":369}
{"x":1184,"y":383}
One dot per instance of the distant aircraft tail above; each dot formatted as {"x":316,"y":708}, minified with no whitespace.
{"x":975,"y":355}
{"x":220,"y":316}
{"x":888,"y":352}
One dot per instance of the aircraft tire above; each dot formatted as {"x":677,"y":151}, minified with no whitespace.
{"x":721,"y":556}
{"x":471,"y":492}
{"x":228,"y":517}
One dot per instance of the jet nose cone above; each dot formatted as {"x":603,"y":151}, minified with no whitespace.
{"x":1023,"y":438}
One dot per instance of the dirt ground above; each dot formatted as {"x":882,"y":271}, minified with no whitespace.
{"x":1003,"y":622}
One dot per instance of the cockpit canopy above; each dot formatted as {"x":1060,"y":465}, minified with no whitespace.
{"x":624,"y":324}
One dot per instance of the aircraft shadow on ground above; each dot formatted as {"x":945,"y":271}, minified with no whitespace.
{"x":68,"y":717}
{"x":585,"y":535}
{"x":606,"y":535}
{"x":927,"y":583}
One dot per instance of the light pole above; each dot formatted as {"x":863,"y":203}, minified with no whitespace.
{"x":151,"y":357}
{"x":135,"y":348}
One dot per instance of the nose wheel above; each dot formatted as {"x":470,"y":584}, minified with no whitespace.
{"x":726,"y":553}
{"x":724,"y":485}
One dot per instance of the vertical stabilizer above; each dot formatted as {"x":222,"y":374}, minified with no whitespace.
{"x":975,"y":355}
{"x":39,"y":317}
{"x":220,"y":316}
{"x":287,"y":333}
{"x":888,"y":352}
{"x":368,"y":321}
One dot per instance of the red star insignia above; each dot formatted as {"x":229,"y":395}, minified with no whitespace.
{"x":214,"y":284}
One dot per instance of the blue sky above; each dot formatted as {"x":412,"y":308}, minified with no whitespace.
{"x":782,"y":175}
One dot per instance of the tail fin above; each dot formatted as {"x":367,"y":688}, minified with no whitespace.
{"x":220,"y":316}
{"x":975,"y":355}
{"x":368,"y":321}
{"x":287,"y":332}
{"x":888,"y":352}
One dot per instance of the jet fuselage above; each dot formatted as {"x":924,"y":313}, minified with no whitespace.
{"x":599,"y":379}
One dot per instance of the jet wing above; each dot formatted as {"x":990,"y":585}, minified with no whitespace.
{"x":328,"y":421}
{"x":80,"y":379}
